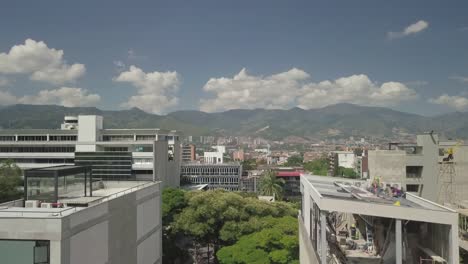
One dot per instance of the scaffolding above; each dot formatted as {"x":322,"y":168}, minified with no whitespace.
{"x":447,"y":175}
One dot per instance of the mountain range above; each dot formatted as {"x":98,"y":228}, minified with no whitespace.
{"x":340,"y":120}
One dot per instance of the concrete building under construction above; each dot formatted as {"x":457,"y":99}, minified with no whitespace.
{"x":354,"y":221}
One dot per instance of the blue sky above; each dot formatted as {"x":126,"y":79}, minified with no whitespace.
{"x":191,"y":54}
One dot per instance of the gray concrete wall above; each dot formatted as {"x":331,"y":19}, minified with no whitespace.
{"x":173,"y":168}
{"x":164,"y":170}
{"x":126,"y":229}
{"x":389,"y":165}
{"x":429,"y":161}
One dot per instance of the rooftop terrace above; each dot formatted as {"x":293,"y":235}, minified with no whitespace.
{"x":357,"y":196}
{"x":107,"y":191}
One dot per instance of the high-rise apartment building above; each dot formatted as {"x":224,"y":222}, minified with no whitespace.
{"x":188,"y":152}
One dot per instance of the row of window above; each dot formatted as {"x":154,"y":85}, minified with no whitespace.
{"x":40,"y":138}
{"x":142,"y":161}
{"x":38,"y":149}
{"x":209,"y":171}
{"x":43,"y":161}
{"x":212,"y":180}
{"x":63,"y":138}
{"x":116,"y":149}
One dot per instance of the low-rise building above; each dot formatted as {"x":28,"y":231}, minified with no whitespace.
{"x":214,"y":157}
{"x":74,"y":221}
{"x":238,"y":155}
{"x":346,"y":222}
{"x":218,"y":176}
{"x":291,"y":178}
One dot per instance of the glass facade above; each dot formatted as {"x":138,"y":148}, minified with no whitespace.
{"x":107,"y":165}
{"x":24,"y":252}
{"x":41,"y":188}
{"x":54,"y":183}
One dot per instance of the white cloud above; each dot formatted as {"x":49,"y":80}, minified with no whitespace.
{"x":66,"y":96}
{"x":247,"y":91}
{"x":461,"y":79}
{"x":41,"y":62}
{"x":457,"y":102}
{"x":155,"y":90}
{"x":356,"y":89}
{"x":293,"y":87}
{"x":409,"y":30}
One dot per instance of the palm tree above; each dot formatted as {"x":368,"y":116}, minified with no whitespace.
{"x":271,"y":185}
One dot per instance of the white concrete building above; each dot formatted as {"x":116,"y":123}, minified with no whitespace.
{"x":215,"y":157}
{"x":346,"y":159}
{"x":226,"y":176}
{"x":344,"y":222}
{"x":119,"y":224}
{"x":115,"y":154}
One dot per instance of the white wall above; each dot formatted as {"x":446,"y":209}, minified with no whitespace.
{"x":88,"y":132}
{"x":346,"y":160}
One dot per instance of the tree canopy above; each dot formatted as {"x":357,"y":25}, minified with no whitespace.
{"x":295,"y":160}
{"x":10,"y":181}
{"x":317,"y":167}
{"x":346,"y":172}
{"x":225,"y":219}
{"x":274,"y":241}
{"x":271,"y":185}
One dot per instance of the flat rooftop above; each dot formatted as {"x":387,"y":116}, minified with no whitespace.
{"x":111,"y":190}
{"x":356,"y":197}
{"x":340,"y":188}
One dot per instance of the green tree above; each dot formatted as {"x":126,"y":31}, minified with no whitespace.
{"x":271,"y":185}
{"x":10,"y":181}
{"x":295,"y":160}
{"x":346,"y":172}
{"x":276,"y":241}
{"x":218,"y":218}
{"x":173,"y":201}
{"x":249,"y":164}
{"x":317,"y":167}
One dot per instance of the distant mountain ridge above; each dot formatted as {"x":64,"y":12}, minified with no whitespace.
{"x":340,"y":120}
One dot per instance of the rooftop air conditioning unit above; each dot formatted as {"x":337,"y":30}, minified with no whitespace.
{"x":31,"y":204}
{"x":46,"y":205}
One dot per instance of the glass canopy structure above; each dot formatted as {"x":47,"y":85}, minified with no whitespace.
{"x":51,"y":184}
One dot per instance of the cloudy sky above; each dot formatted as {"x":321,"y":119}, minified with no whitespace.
{"x":163,"y":56}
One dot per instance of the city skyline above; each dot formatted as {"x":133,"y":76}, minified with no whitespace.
{"x":212,"y":56}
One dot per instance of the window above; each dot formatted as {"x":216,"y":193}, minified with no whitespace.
{"x":117,"y":138}
{"x":145,"y":137}
{"x":412,"y":187}
{"x":62,"y":138}
{"x":32,"y":138}
{"x":116,"y":149}
{"x":7,"y":138}
{"x":414,"y":171}
{"x":25,"y":251}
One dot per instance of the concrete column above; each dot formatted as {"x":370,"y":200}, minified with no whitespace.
{"x":398,"y":242}
{"x":323,"y":238}
{"x":454,"y":254}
